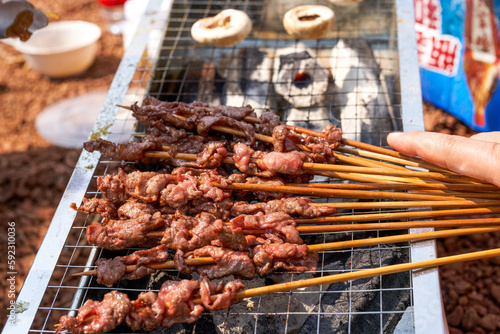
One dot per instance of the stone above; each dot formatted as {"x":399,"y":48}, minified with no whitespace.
{"x":470,"y":319}
{"x":455,"y":317}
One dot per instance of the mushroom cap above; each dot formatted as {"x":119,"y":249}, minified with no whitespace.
{"x":309,"y":21}
{"x":345,"y":2}
{"x":227,"y":28}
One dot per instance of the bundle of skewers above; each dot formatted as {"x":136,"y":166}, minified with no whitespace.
{"x":230,"y":199}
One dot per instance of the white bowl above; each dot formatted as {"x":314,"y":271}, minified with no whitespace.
{"x":62,"y":49}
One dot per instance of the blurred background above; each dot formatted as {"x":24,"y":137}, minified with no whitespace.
{"x":34,"y":172}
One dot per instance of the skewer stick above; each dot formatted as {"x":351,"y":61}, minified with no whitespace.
{"x":392,"y":186}
{"x":411,"y":204}
{"x":333,"y":246}
{"x":343,"y":193}
{"x":396,"y":215}
{"x":391,"y":269}
{"x":399,"y":161}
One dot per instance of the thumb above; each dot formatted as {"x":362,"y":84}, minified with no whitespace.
{"x":472,"y":157}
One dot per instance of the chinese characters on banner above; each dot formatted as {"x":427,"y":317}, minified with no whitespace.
{"x":436,"y":52}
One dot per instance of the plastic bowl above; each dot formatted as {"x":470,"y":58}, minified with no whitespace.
{"x":62,"y":49}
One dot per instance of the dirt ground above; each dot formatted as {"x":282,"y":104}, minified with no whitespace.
{"x":34,"y":174}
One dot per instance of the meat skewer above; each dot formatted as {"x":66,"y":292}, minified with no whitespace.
{"x":128,"y":267}
{"x":382,"y":152}
{"x":75,"y":324}
{"x":291,"y":163}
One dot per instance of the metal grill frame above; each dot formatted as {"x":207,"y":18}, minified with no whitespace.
{"x":131,"y":75}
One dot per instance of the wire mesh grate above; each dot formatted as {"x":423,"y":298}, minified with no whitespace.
{"x":351,"y":80}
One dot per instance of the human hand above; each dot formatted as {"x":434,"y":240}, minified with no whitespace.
{"x":477,"y":156}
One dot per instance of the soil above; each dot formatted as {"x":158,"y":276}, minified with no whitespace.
{"x":34,"y":173}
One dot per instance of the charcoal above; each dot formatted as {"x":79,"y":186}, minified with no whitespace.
{"x":365,"y":113}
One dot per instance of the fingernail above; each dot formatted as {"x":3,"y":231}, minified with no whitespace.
{"x":395,"y":134}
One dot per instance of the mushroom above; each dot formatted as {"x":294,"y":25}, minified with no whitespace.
{"x":227,"y":28}
{"x":345,"y":2}
{"x":309,"y":21}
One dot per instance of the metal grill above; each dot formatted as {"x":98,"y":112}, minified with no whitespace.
{"x":365,"y":93}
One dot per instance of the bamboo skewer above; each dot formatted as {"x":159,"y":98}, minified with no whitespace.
{"x":393,"y":186}
{"x":412,"y":204}
{"x":396,"y":215}
{"x":342,"y":193}
{"x":335,"y":246}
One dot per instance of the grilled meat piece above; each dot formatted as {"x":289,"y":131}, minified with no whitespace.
{"x":225,"y":299}
{"x":101,"y":206}
{"x":268,"y":258}
{"x":142,"y":314}
{"x":121,"y":234}
{"x":274,"y":222}
{"x":131,"y":151}
{"x":268,"y":121}
{"x":227,"y":262}
{"x":207,"y":122}
{"x":189,"y":233}
{"x":110,"y":271}
{"x":299,"y":206}
{"x":268,"y":164}
{"x":108,"y":314}
{"x":212,"y":155}
{"x":112,"y":188}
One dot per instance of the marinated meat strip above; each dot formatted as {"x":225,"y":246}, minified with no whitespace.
{"x":112,"y":188}
{"x":278,"y":221}
{"x":174,"y":303}
{"x":333,"y":135}
{"x":212,"y":155}
{"x":121,"y":234}
{"x":133,"y":209}
{"x":268,"y":258}
{"x":299,"y":206}
{"x":131,"y":151}
{"x":283,"y":163}
{"x":164,"y":134}
{"x":207,"y":122}
{"x":268,"y":121}
{"x":281,"y":142}
{"x":110,"y":271}
{"x":100,"y":206}
{"x":268,"y":164}
{"x":176,"y":195}
{"x":225,"y":299}
{"x":189,"y":233}
{"x":221,"y":210}
{"x":108,"y":314}
{"x":146,"y":186}
{"x":142,"y":314}
{"x":227,"y":262}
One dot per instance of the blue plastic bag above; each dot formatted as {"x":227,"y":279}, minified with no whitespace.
{"x":459,"y":56}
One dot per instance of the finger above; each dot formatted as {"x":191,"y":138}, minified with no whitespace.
{"x":487,"y":136}
{"x":476,"y":158}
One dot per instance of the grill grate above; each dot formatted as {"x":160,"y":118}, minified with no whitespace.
{"x":363,"y":97}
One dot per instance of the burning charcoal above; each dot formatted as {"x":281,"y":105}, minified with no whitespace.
{"x":247,"y":77}
{"x":364,"y":110}
{"x":299,"y":77}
